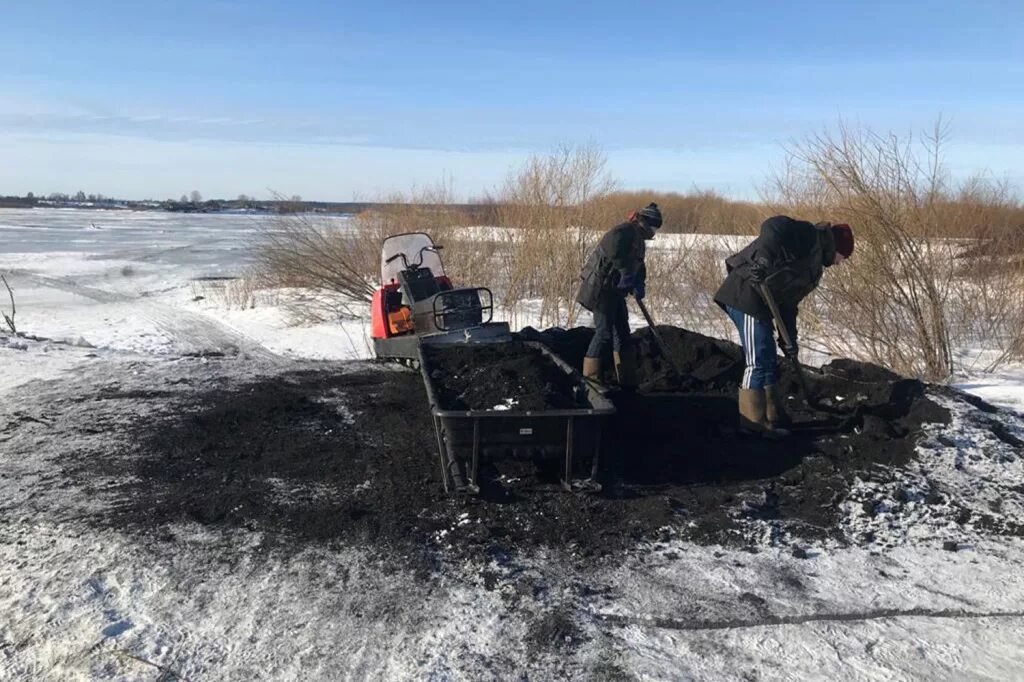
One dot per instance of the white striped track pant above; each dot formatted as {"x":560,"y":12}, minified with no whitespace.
{"x":759,"y":354}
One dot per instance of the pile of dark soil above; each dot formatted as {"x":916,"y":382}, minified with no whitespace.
{"x":351,"y":457}
{"x":503,"y":376}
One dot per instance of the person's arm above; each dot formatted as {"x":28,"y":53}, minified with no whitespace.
{"x":788,"y":314}
{"x":640,"y":285}
{"x":621,"y":257}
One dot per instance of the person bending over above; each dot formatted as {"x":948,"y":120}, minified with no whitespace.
{"x":788,"y":258}
{"x":614,"y":270}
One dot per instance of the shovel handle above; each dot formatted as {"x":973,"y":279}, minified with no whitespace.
{"x":769,"y":299}
{"x":657,"y":338}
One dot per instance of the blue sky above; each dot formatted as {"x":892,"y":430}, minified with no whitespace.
{"x":342,"y":100}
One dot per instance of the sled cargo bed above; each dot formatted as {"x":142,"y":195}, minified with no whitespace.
{"x":466,"y":437}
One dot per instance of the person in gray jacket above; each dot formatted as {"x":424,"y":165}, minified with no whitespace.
{"x":613,"y":271}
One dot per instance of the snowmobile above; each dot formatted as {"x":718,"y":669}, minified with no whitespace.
{"x":416,"y":302}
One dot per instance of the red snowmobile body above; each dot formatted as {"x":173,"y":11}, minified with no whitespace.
{"x":416,"y":302}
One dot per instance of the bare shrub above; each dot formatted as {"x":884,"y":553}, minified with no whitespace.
{"x":337,"y":260}
{"x":304,"y":250}
{"x":241,"y":293}
{"x":248,"y":291}
{"x":900,"y":302}
{"x":9,"y":319}
{"x":547,"y":206}
{"x":989,"y":307}
{"x":683,"y":274}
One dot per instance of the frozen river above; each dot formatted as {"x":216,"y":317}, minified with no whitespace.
{"x":218,"y":242}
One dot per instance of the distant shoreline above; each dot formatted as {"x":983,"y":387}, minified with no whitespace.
{"x":215,"y":206}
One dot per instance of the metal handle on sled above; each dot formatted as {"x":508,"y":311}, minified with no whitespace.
{"x":445,"y":309}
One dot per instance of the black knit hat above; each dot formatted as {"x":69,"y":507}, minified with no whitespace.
{"x":651,"y":215}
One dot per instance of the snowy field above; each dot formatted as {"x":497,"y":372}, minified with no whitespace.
{"x":123,"y":321}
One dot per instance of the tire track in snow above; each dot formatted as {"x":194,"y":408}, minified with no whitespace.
{"x":669,"y":623}
{"x":146,"y":254}
{"x":199,"y":332}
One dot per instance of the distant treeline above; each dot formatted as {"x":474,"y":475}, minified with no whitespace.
{"x":705,"y":212}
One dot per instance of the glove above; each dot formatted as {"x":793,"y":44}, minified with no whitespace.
{"x":626,"y":283}
{"x":639,"y":291}
{"x":758,"y":271}
{"x":790,"y":352}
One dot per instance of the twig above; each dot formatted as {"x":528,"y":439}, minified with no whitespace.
{"x":9,"y":319}
{"x":162,"y":668}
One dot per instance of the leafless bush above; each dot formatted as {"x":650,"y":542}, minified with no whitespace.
{"x":900,"y":302}
{"x":242,"y":293}
{"x":548,"y":206}
{"x":989,"y":305}
{"x":683,"y":274}
{"x":9,"y":319}
{"x":302,"y":250}
{"x":337,"y":260}
{"x":248,"y":291}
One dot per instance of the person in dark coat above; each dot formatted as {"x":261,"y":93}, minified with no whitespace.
{"x":614,"y":270}
{"x":788,"y":258}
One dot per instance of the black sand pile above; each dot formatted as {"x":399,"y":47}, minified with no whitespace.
{"x":350,"y":457}
{"x":506,"y":376}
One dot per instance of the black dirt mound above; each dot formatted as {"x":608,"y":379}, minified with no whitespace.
{"x":500,"y":376}
{"x":351,"y":457}
{"x":707,"y":364}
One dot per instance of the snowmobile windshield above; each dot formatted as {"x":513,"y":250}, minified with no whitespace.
{"x":412,"y":246}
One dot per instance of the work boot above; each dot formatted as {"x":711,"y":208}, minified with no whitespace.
{"x":753,"y":414}
{"x":625,"y":368}
{"x":775,"y":407}
{"x":592,"y":369}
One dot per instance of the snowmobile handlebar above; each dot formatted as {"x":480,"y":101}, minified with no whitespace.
{"x":405,"y":261}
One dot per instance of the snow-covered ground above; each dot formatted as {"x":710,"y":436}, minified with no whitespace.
{"x":128,"y":299}
{"x":147,"y":283}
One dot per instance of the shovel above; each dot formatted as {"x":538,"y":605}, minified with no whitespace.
{"x":662,"y":348}
{"x":811,"y":399}
{"x":769,"y":299}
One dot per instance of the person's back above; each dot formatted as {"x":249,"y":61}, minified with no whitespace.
{"x":793,"y":251}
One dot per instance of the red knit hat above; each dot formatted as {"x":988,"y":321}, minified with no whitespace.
{"x":844,"y":239}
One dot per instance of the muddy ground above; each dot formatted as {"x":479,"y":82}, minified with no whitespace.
{"x":351,"y":457}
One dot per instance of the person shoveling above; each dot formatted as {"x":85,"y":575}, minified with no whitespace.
{"x":766,"y":282}
{"x":614,"y":270}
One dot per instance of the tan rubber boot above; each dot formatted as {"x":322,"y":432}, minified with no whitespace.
{"x":592,"y":369}
{"x":753,"y":414}
{"x":775,"y":408}
{"x":625,"y":368}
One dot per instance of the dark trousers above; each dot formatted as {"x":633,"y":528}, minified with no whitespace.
{"x":611,"y":325}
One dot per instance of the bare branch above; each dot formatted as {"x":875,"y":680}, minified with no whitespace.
{"x":9,"y":319}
